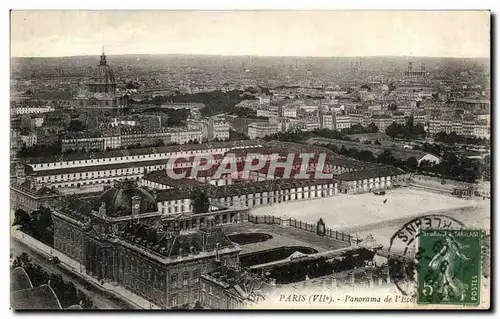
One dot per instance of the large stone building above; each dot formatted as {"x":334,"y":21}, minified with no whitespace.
{"x":79,"y":169}
{"x":215,"y":128}
{"x":368,"y":180}
{"x":413,"y":73}
{"x":100,"y":91}
{"x":28,"y":197}
{"x":258,"y":130}
{"x":123,"y":238}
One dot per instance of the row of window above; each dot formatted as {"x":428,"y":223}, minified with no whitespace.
{"x":132,"y":157}
{"x":96,"y":182}
{"x":68,"y":249}
{"x":373,"y":180}
{"x":195,"y":279}
{"x":278,"y":193}
{"x":110,"y":173}
{"x":176,"y":209}
{"x":68,"y":233}
{"x":213,"y":301}
{"x":177,"y":299}
{"x":266,"y":199}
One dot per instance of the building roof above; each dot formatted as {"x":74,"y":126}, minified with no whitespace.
{"x":144,"y":151}
{"x":430,"y":157}
{"x":161,"y":177}
{"x":75,"y":207}
{"x":171,"y":243}
{"x":380,"y":171}
{"x":35,"y":190}
{"x":19,"y":279}
{"x":103,"y":73}
{"x":118,"y":200}
{"x":39,"y":298}
{"x":238,"y":189}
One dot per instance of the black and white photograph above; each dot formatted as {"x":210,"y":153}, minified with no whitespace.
{"x":250,"y":159}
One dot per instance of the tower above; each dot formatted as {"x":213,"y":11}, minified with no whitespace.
{"x":103,"y":78}
{"x":103,"y":57}
{"x":136,"y":205}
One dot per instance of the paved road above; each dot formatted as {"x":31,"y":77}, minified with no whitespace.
{"x":101,"y":299}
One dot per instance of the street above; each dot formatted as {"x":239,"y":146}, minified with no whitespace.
{"x":100,"y":299}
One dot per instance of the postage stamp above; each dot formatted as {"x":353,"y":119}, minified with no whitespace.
{"x":449,"y":269}
{"x":403,"y":249}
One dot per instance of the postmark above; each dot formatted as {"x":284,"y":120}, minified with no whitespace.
{"x":449,"y":267}
{"x":403,"y":254}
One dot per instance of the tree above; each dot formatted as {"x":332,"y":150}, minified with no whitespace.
{"x":76,"y":126}
{"x":366,"y":156}
{"x":200,"y":201}
{"x":486,"y":168}
{"x":21,"y":260}
{"x":373,"y":128}
{"x":412,"y":162}
{"x":332,"y":147}
{"x":392,"y":107}
{"x":409,"y":121}
{"x":427,"y":166}
{"x":386,"y":158}
{"x":39,"y":225}
{"x":393,"y":130}
{"x":22,"y":219}
{"x":352,"y":152}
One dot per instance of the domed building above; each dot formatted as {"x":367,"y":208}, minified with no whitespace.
{"x":125,"y":199}
{"x":100,"y":91}
{"x":122,"y":238}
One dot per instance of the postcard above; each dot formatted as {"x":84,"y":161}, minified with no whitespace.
{"x":199,"y":160}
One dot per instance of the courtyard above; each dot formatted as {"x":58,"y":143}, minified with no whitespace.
{"x":281,"y":237}
{"x":365,"y":214}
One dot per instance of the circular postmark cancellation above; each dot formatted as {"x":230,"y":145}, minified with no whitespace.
{"x":404,"y":254}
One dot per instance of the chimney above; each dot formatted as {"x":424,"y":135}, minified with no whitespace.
{"x":217,"y":258}
{"x":238,"y":265}
{"x":20,"y":173}
{"x":102,"y":209}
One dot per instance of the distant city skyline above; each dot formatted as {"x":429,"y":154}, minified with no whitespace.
{"x":460,"y":34}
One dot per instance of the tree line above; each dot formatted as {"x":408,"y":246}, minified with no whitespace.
{"x":298,"y":136}
{"x":450,"y":166}
{"x":453,"y":138}
{"x":406,"y":131}
{"x":38,"y":225}
{"x":215,"y":102}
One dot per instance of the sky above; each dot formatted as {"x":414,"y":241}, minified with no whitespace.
{"x":264,"y":33}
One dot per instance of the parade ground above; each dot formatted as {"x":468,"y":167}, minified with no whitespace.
{"x":364,"y":214}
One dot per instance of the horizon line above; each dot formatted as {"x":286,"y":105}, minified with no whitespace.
{"x":256,"y":55}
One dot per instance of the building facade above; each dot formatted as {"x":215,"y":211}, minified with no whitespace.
{"x":258,"y":130}
{"x":124,"y":240}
